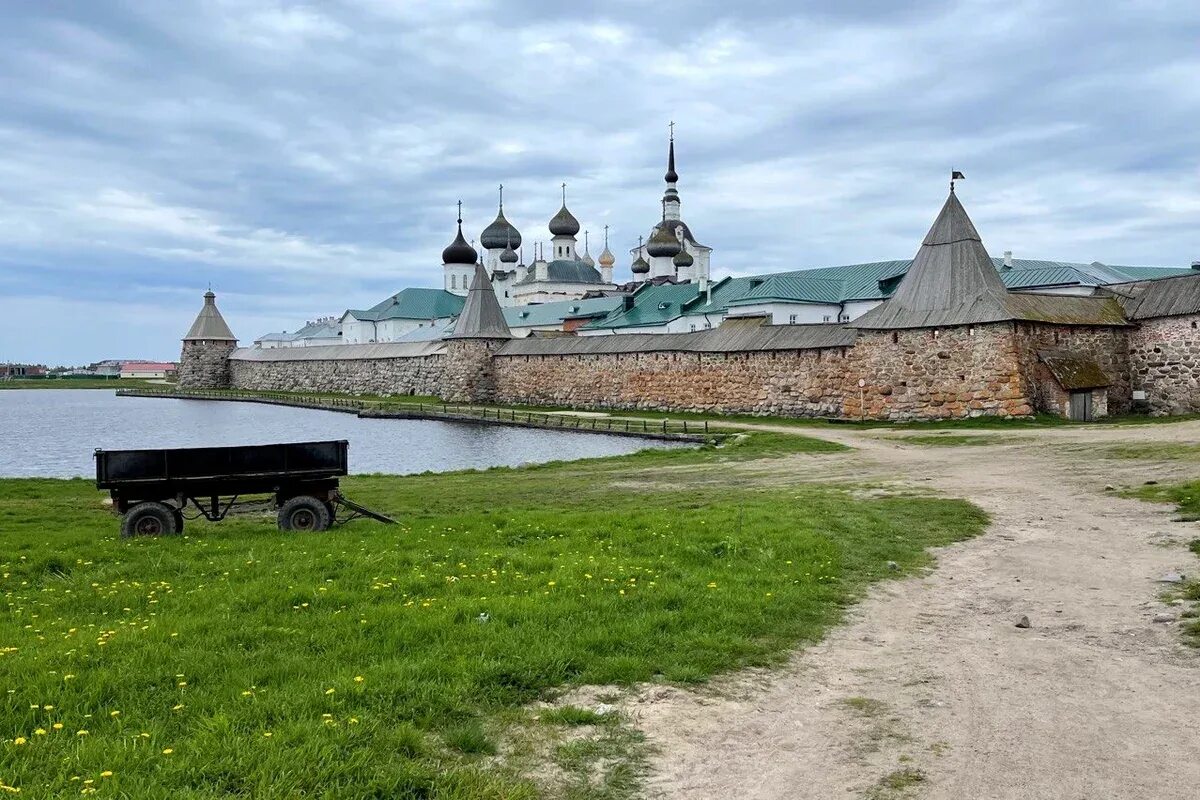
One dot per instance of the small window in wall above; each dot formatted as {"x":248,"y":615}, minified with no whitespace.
{"x":693,"y":327}
{"x":792,"y":319}
{"x":1193,"y":323}
{"x":970,"y":330}
{"x":826,"y":318}
{"x":895,"y":337}
{"x":453,"y":281}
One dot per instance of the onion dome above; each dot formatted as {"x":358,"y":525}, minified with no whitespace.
{"x":587,"y":254}
{"x":640,"y":266}
{"x":564,"y":223}
{"x":459,"y":252}
{"x":509,"y":256}
{"x":662,"y":243}
{"x":683,"y":259}
{"x":501,"y":232}
{"x":607,"y":259}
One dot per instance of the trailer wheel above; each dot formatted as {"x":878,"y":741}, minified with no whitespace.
{"x":304,"y":513}
{"x":148,"y":519}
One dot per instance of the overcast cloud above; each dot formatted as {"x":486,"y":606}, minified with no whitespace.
{"x":306,"y":158}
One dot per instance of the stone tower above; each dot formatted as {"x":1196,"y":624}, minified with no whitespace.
{"x":478,"y":333}
{"x":204,"y":362}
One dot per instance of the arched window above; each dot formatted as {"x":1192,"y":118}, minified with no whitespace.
{"x":453,"y":281}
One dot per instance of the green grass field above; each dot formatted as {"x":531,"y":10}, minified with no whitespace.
{"x":396,"y":662}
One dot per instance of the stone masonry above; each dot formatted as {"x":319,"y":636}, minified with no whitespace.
{"x":798,"y":383}
{"x":1165,"y":363}
{"x":937,"y":373}
{"x":420,"y":375}
{"x":204,"y":363}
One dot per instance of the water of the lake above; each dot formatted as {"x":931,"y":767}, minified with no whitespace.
{"x":52,"y":433}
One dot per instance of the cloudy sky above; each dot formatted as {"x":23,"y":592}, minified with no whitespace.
{"x":306,"y":157}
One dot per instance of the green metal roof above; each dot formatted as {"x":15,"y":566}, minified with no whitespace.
{"x":414,"y":303}
{"x":564,"y":270}
{"x":554,"y":313}
{"x":839,"y":284}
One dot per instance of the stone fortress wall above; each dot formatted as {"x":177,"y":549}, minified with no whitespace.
{"x":955,"y":372}
{"x":409,"y":375}
{"x":1164,"y":356}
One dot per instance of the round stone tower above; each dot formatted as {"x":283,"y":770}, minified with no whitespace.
{"x":204,"y":362}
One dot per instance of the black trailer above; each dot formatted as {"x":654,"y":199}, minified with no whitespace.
{"x":151,"y":489}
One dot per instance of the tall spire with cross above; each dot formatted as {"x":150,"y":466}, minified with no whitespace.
{"x":671,"y":195}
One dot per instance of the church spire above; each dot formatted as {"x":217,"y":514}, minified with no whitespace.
{"x":671,"y":195}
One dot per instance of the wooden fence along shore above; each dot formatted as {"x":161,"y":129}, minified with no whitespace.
{"x":671,"y":430}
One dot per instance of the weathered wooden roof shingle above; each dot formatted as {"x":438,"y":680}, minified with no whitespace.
{"x":481,"y":317}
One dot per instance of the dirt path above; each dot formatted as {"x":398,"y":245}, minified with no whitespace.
{"x":931,"y":683}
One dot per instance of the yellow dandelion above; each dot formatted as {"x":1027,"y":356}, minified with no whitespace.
{"x":114,"y":713}
{"x":106,"y":774}
{"x":358,"y":678}
{"x":182,"y":683}
{"x":40,"y":732}
{"x":267,"y":734}
{"x":327,"y":716}
{"x":20,"y":740}
{"x":47,"y":708}
{"x":354,"y":720}
{"x":177,"y":708}
{"x":167,"y":751}
{"x":58,"y":726}
{"x":81,"y":733}
{"x":330,"y":691}
{"x":247,"y":693}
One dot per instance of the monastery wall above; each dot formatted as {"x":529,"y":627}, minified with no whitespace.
{"x":946,"y":373}
{"x":1107,"y":346}
{"x":419,"y":375}
{"x":798,"y":383}
{"x":1165,"y":363}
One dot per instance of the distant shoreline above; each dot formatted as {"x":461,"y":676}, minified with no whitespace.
{"x":80,"y":383}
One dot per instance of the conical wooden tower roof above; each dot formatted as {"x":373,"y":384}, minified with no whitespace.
{"x":952,"y":281}
{"x":209,"y":323}
{"x":481,"y":317}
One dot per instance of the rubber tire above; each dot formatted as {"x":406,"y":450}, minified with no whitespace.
{"x":304,"y":513}
{"x":148,"y":519}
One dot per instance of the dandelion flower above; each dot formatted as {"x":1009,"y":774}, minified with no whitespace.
{"x":114,"y":713}
{"x":40,"y":732}
{"x":358,"y":678}
{"x":177,"y":708}
{"x":106,"y":774}
{"x":329,"y":691}
{"x":81,"y":733}
{"x":167,"y":751}
{"x":58,"y":726}
{"x":20,"y":740}
{"x":267,"y":734}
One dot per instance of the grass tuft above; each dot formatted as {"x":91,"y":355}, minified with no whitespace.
{"x":574,"y":715}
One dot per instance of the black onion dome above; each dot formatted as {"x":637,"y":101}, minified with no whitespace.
{"x":662,"y":243}
{"x":564,"y":223}
{"x":509,"y":256}
{"x":499,"y":234}
{"x":683,"y":259}
{"x":640,"y":266}
{"x":672,"y":176}
{"x":459,"y":252}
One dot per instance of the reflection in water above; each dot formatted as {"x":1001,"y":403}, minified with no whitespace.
{"x":52,"y":433}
